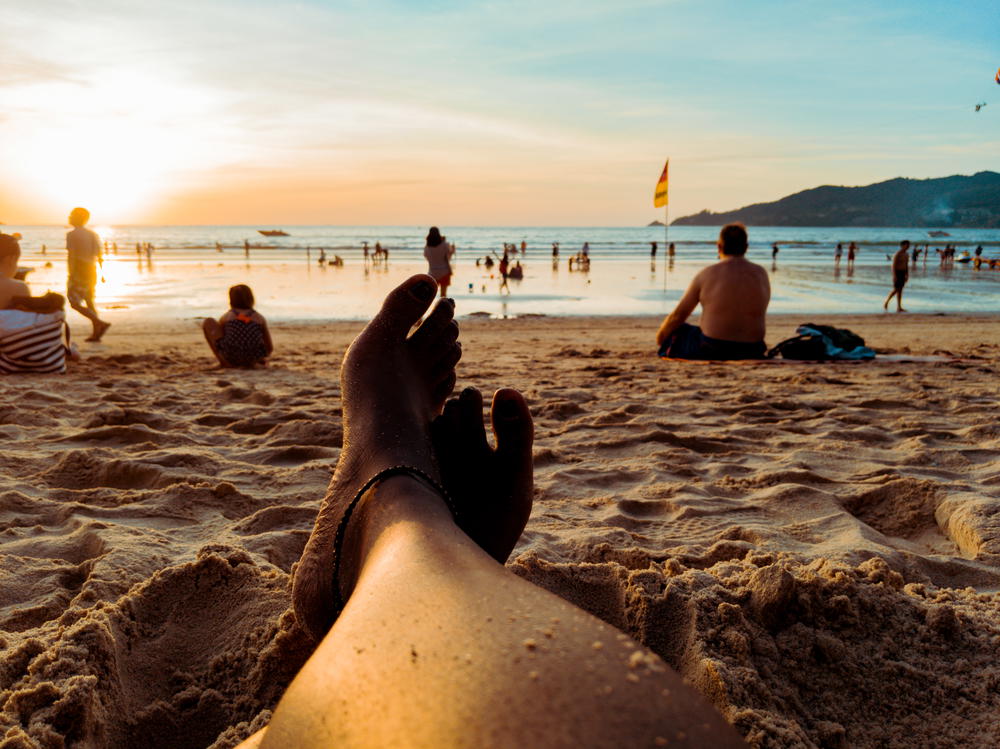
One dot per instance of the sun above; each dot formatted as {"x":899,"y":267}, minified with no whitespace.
{"x":115,"y":145}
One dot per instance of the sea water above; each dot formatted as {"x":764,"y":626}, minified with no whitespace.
{"x":186,"y":276}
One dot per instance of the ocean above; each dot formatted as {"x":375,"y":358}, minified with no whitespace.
{"x":186,"y":277}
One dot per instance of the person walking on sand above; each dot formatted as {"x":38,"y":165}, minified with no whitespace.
{"x":733,"y":294}
{"x":652,"y":250}
{"x":83,"y":255}
{"x":837,"y":254}
{"x":504,"y":269}
{"x":438,"y":253}
{"x":900,"y":274}
{"x":402,"y":594}
{"x":852,"y":253}
{"x":240,"y":338}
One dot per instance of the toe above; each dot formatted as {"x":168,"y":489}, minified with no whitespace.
{"x":470,"y":419}
{"x":442,"y":390}
{"x":447,"y":424}
{"x":444,"y":432}
{"x":445,"y":361}
{"x":440,"y":322}
{"x":512,"y":426}
{"x":405,"y":305}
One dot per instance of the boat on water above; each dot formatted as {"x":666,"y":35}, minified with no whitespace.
{"x":938,"y":234}
{"x":273,"y":232}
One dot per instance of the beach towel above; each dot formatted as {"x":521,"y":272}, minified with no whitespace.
{"x":32,"y":342}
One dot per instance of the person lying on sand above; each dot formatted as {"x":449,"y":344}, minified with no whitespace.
{"x":733,"y":294}
{"x":424,"y":638}
{"x":240,"y":338}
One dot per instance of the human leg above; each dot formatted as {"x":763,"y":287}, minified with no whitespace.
{"x":437,"y":639}
{"x":409,"y":378}
{"x":77,"y":298}
{"x":684,"y":343}
{"x":90,"y":311}
{"x":213,"y":334}
{"x":447,"y":648}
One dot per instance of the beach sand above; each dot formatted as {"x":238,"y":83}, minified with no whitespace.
{"x":814,"y":547}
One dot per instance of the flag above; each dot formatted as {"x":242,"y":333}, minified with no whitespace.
{"x":660,"y":196}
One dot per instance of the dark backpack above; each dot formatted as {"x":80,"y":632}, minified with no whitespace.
{"x":822,"y":343}
{"x":839,"y":337}
{"x":806,"y":347}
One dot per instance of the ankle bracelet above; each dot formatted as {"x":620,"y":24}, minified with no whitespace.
{"x":386,"y":473}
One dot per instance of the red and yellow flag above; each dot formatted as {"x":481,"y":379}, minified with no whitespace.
{"x":660,"y":196}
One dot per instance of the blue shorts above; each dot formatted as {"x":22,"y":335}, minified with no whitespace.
{"x":688,"y":342}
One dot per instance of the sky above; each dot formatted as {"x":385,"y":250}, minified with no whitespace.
{"x":479,"y":113}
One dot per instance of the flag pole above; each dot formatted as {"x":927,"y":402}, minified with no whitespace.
{"x":666,"y":243}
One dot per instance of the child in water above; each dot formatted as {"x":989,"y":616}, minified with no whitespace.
{"x":240,"y":337}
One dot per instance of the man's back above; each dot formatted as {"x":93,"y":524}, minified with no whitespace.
{"x":734,"y":294}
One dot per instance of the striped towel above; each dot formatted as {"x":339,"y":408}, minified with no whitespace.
{"x":32,"y":342}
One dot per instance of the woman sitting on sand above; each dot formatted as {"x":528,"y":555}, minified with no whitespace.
{"x":31,"y":328}
{"x":240,"y":337}
{"x":423,"y":637}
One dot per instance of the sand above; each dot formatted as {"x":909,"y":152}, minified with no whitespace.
{"x":814,"y":547}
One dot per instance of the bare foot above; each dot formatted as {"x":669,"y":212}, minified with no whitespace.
{"x":100,"y":328}
{"x":492,"y":488}
{"x":392,"y":388}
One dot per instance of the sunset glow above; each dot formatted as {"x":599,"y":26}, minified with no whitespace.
{"x":506,"y":114}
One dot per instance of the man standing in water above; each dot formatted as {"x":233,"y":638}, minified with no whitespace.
{"x":734,"y":294}
{"x":900,"y":275}
{"x":83,"y":253}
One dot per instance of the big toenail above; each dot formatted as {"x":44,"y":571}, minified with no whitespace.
{"x":424,"y":291}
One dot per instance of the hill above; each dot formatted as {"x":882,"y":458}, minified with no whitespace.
{"x":957,"y":201}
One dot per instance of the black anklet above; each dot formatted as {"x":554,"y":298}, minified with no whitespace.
{"x":385,"y":473}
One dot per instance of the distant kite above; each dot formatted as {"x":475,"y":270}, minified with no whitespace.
{"x":997,"y":79}
{"x":980,"y":105}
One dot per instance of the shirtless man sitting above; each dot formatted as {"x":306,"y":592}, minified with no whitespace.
{"x":733,"y":294}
